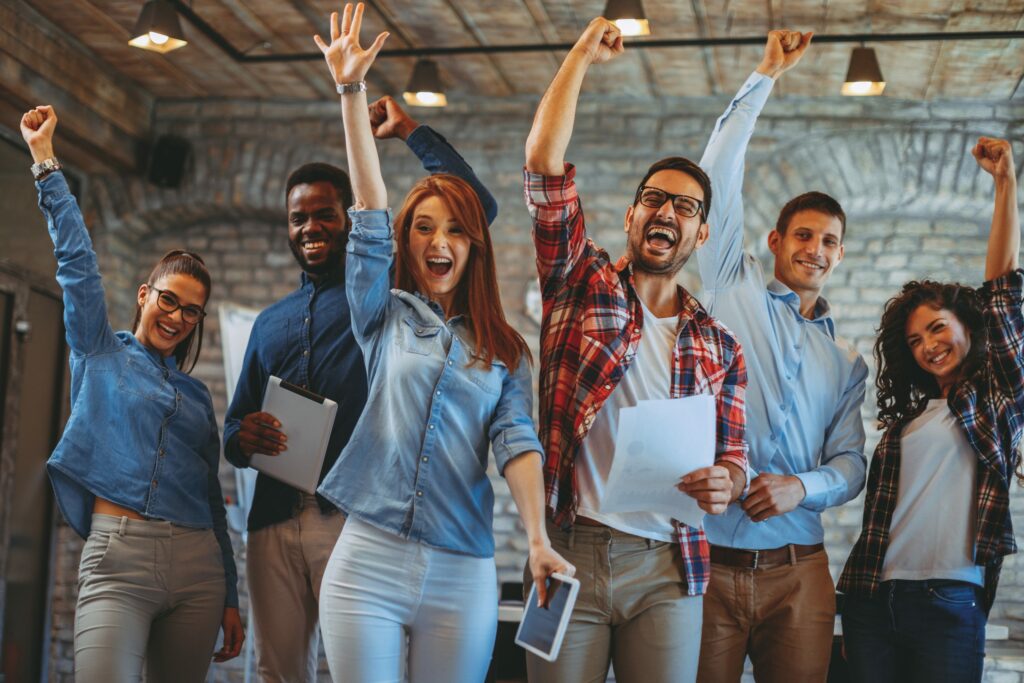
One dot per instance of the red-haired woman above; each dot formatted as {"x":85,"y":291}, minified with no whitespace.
{"x":922,"y":577}
{"x":135,"y":472}
{"x":448,"y":378}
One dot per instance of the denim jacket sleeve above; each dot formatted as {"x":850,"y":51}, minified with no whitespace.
{"x":248,"y":398}
{"x":368,"y":273}
{"x":438,"y":156}
{"x":220,"y":518}
{"x":721,"y":258}
{"x":85,"y":310}
{"x":512,"y":432}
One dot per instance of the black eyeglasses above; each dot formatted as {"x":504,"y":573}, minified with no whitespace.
{"x":684,"y":205}
{"x":169,"y":303}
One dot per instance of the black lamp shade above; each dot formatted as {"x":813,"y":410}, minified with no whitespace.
{"x":425,"y":88}
{"x":864,"y":77}
{"x":158,"y":28}
{"x":629,"y":16}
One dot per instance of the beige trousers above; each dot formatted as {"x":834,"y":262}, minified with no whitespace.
{"x":782,"y":616}
{"x":632,"y":611}
{"x":284,"y":565}
{"x":150,"y":596}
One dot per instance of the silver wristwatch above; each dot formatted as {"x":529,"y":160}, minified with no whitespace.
{"x":45,"y":168}
{"x":346,"y":88}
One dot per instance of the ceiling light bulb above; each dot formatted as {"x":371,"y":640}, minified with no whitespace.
{"x":633,"y":27}
{"x":158,"y":38}
{"x":864,"y":77}
{"x":425,"y":88}
{"x":426,"y":97}
{"x":158,"y":28}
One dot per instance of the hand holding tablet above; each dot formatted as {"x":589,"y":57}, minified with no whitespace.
{"x":543,"y":627}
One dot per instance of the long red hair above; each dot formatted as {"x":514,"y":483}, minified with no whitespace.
{"x":476,"y":295}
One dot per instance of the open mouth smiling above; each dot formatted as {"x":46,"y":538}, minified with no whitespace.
{"x":439,"y":266}
{"x":167,"y":331}
{"x":661,"y":237}
{"x":811,"y":265}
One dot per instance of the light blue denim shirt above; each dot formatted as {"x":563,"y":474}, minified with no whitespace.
{"x":416,"y":464}
{"x":142,"y":433}
{"x":805,"y":387}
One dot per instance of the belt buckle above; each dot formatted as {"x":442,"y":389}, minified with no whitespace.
{"x":756,"y":554}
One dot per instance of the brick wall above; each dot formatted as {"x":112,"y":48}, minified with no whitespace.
{"x":917,"y":207}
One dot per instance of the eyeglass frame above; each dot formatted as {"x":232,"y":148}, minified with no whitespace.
{"x":177,"y":305}
{"x":669,"y":197}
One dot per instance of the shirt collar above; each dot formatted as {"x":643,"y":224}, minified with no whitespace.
{"x":691,"y":307}
{"x":822,"y":308}
{"x":330,"y":278}
{"x":170,"y":362}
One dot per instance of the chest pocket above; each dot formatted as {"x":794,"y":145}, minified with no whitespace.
{"x":418,"y":337}
{"x":145,"y":380}
{"x":488,"y":378}
{"x":702,"y":368}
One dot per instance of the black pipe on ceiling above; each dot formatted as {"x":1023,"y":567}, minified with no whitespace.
{"x":225,"y":45}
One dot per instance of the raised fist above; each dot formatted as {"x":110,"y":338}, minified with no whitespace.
{"x":782,"y":51}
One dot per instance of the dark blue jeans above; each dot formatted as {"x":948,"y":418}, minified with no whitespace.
{"x":930,"y":631}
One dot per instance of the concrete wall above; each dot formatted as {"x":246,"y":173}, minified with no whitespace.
{"x":917,"y":207}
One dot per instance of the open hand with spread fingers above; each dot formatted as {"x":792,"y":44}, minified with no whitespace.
{"x":347,"y":60}
{"x":782,"y":51}
{"x":995,"y":157}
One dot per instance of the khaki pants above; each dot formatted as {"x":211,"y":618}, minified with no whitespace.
{"x":284,"y":565}
{"x":783,"y":616}
{"x":632,"y":610}
{"x":150,"y":596}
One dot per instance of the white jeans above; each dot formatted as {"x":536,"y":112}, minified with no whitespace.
{"x":380,"y":588}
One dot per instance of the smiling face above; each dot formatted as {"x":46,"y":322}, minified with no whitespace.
{"x":438,"y":249}
{"x":939,"y":343}
{"x":806,"y":253}
{"x":162,"y":331}
{"x":316,"y":227}
{"x":660,"y":241}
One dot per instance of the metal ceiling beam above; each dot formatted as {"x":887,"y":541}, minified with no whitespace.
{"x":206,"y":29}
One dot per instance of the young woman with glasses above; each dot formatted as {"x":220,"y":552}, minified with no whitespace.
{"x":135,"y":472}
{"x":922,"y":577}
{"x":411,"y":584}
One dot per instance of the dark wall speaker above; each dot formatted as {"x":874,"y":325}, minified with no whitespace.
{"x":168,"y":161}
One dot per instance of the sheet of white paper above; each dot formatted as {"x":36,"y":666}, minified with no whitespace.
{"x":658,"y":443}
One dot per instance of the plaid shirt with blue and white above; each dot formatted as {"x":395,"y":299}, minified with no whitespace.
{"x":989,"y":407}
{"x":590,"y":332}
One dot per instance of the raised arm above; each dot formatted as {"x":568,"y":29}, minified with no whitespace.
{"x":389,"y":120}
{"x":723,"y":160}
{"x":996,"y":158}
{"x":348,"y":63}
{"x":553,"y":122}
{"x":85,"y":310}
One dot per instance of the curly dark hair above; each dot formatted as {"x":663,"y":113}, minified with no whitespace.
{"x":903,"y":386}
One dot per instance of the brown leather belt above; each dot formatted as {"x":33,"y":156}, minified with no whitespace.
{"x":752,"y":559}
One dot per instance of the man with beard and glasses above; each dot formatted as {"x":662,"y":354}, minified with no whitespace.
{"x":613,"y":335}
{"x":772,"y":594}
{"x":306,"y":339}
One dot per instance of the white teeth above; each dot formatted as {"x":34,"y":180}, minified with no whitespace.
{"x":438,"y":259}
{"x":318,"y":244}
{"x":939,"y":358}
{"x":808,"y":264}
{"x":662,"y":232}
{"x":169,"y":330}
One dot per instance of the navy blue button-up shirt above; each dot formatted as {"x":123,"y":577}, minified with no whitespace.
{"x":306,"y":338}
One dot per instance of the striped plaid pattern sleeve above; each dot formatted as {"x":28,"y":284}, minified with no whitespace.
{"x":1005,"y":322}
{"x":731,"y":442}
{"x":559,"y":233}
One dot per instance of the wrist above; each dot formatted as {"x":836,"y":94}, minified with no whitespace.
{"x":41,"y":151}
{"x":405,"y":128}
{"x":768,"y":70}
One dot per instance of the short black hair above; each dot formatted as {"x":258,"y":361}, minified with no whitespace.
{"x":811,"y":201}
{"x":685,"y":166}
{"x":319,"y":172}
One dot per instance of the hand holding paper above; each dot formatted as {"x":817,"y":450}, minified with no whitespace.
{"x":658,"y":442}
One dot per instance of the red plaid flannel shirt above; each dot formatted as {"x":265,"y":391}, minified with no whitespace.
{"x":591,"y":329}
{"x":989,"y":407}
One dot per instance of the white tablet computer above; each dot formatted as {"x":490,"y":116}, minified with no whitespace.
{"x":542,"y":628}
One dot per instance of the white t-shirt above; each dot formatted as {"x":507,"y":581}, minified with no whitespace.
{"x":932,"y":530}
{"x":648,"y":378}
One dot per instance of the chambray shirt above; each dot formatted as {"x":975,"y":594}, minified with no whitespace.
{"x":805,"y":387}
{"x":142,"y":433}
{"x":417,"y":462}
{"x":305,"y":338}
